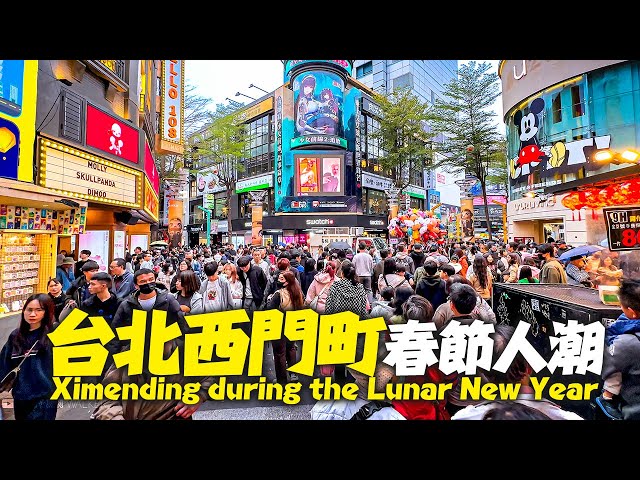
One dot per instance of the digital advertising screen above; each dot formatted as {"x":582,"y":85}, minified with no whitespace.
{"x":319,"y":175}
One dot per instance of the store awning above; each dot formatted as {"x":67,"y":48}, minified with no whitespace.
{"x":24,"y":194}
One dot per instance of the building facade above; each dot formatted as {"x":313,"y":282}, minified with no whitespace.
{"x":311,"y":153}
{"x":562,"y":117}
{"x":78,"y":140}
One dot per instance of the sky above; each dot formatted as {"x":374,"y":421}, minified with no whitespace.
{"x":219,"y":79}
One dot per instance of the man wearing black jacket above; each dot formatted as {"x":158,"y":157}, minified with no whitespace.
{"x":431,"y":286}
{"x":417,"y":255}
{"x":253,"y":289}
{"x":102,"y":302}
{"x":79,"y":289}
{"x":148,"y":298}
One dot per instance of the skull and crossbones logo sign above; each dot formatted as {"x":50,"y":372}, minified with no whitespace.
{"x":116,"y":143}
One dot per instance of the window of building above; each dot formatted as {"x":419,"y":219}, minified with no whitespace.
{"x":416,"y":203}
{"x":374,"y":202}
{"x":220,"y":209}
{"x":403,"y":81}
{"x":556,"y":107}
{"x":577,"y":101}
{"x":416,"y":176}
{"x":364,"y":69}
{"x":244,"y":204}
{"x":259,"y":153}
{"x":193,"y":190}
{"x":372,"y":150}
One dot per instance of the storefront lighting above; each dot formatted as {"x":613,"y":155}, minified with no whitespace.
{"x":630,"y":156}
{"x":603,"y":156}
{"x":627,"y":156}
{"x":530,"y":194}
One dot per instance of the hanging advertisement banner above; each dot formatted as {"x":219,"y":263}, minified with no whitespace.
{"x":175,"y":208}
{"x":256,"y":224}
{"x":466,"y":218}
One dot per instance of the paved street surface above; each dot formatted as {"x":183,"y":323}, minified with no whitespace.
{"x":210,"y":410}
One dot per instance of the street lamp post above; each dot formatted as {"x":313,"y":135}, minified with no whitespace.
{"x":255,"y":86}
{"x":207,"y":212}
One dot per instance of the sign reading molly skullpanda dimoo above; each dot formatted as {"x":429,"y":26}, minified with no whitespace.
{"x":72,"y":172}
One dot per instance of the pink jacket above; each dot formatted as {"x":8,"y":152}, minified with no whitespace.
{"x":321,"y":281}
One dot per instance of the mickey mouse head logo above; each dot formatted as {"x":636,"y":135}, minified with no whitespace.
{"x":528,"y":128}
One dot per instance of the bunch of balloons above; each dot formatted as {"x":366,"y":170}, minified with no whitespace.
{"x":417,"y":226}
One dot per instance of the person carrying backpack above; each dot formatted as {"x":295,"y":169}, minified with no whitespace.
{"x":403,"y":258}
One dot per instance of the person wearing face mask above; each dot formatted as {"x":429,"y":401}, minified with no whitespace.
{"x":148,"y":298}
{"x":166,"y":275}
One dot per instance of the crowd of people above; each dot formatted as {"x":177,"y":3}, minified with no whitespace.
{"x":429,"y":283}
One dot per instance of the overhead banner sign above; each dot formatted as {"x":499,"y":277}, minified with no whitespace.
{"x":623,"y":227}
{"x":257,"y":183}
{"x":172,"y":107}
{"x":207,"y":181}
{"x":69,"y":171}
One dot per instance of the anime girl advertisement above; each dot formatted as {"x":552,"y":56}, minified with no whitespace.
{"x":318,"y":97}
{"x":307,"y":175}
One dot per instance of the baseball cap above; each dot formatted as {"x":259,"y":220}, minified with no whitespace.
{"x":68,"y":261}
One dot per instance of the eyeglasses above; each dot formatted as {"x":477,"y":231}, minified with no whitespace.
{"x":34,"y":310}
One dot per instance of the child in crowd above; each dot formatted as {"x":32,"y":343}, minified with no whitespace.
{"x":628,"y":322}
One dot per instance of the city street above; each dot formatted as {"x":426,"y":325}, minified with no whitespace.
{"x":210,"y":410}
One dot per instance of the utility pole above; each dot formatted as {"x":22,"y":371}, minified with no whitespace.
{"x":207,"y":212}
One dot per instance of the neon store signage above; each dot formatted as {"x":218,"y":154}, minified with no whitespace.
{"x":112,"y":135}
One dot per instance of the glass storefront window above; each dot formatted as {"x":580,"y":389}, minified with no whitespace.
{"x":374,"y":202}
{"x":416,"y":203}
{"x":220,"y":205}
{"x":244,"y":204}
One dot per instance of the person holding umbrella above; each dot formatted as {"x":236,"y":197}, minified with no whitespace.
{"x":576,"y":274}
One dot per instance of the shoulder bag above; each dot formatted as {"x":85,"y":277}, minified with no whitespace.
{"x":313,"y":304}
{"x":6,"y":384}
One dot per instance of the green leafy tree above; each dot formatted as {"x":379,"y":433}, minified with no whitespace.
{"x":221,"y":144}
{"x":402,"y":135}
{"x":196,"y":115}
{"x":465,"y":118}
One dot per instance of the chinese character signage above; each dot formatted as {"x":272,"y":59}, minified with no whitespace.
{"x":623,"y":227}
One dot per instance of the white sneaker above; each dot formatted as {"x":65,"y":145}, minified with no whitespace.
{"x":293,"y":377}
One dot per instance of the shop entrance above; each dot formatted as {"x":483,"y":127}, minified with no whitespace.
{"x":539,"y":230}
{"x":552,"y":228}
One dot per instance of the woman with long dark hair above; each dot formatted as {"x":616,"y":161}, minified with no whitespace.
{"x":60,"y":299}
{"x":308,"y":275}
{"x":288,"y":296}
{"x":33,"y":385}
{"x":390,"y":276}
{"x":188,"y":296}
{"x":481,"y":278}
{"x":526,"y":275}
